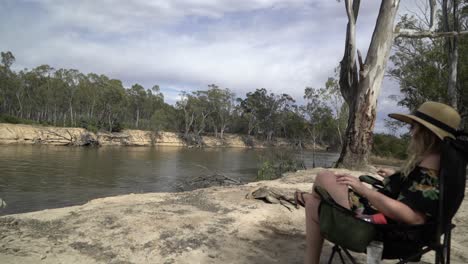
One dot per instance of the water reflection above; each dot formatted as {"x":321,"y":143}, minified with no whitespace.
{"x":38,"y":177}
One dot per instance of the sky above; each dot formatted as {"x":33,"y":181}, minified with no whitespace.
{"x":185,"y":45}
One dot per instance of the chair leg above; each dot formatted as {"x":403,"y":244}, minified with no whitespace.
{"x":448,"y":239}
{"x":350,"y":257}
{"x":337,"y":249}
{"x":439,"y":256}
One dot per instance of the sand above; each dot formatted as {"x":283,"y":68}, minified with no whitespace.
{"x":212,"y":225}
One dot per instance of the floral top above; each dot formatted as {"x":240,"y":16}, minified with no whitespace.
{"x":419,"y":190}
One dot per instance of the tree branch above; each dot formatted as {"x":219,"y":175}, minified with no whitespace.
{"x":409,"y":33}
{"x":433,"y":8}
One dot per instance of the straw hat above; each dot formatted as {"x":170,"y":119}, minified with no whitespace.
{"x":441,"y":119}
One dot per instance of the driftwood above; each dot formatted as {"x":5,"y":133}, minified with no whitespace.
{"x":212,"y":178}
{"x":3,"y":204}
{"x":273,"y":196}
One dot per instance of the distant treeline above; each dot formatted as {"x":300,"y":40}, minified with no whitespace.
{"x":67,"y":97}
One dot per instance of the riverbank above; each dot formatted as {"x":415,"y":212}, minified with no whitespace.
{"x":212,"y":225}
{"x":63,"y":136}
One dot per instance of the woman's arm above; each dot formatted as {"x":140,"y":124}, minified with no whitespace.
{"x":391,"y":208}
{"x":385,"y":172}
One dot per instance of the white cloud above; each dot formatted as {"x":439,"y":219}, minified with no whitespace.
{"x":281,"y":45}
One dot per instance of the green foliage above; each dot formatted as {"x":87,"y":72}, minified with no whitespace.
{"x":14,"y":120}
{"x":67,"y":97}
{"x":267,"y":171}
{"x":89,"y":124}
{"x":326,"y":113}
{"x":390,"y":146}
{"x":275,"y":162}
{"x":420,"y":66}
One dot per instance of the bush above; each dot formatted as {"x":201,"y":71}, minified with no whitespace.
{"x":390,"y":146}
{"x":89,"y":124}
{"x":14,"y":120}
{"x":117,"y":126}
{"x":275,"y":163}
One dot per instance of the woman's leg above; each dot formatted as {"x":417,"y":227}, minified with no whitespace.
{"x":314,"y":240}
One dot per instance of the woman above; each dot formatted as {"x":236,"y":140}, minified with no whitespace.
{"x":409,"y":196}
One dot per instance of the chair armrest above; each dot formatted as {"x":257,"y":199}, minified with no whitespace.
{"x":324,"y":195}
{"x":376,"y":183}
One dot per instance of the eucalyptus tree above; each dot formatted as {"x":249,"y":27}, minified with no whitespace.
{"x":316,"y":113}
{"x":43,"y":97}
{"x":331,"y":95}
{"x":112,"y":102}
{"x":361,"y":87}
{"x":137,"y":97}
{"x":293,"y":125}
{"x":263,"y":111}
{"x":154,"y":103}
{"x":221,"y":104}
{"x":71,"y":80}
{"x":431,"y":63}
{"x":7,"y":82}
{"x":183,"y":104}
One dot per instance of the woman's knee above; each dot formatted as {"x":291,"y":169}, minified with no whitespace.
{"x":324,"y":178}
{"x":327,"y":180}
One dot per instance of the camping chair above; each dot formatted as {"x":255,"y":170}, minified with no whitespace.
{"x":407,"y":243}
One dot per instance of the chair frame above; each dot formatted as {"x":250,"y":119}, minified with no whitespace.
{"x":442,"y":249}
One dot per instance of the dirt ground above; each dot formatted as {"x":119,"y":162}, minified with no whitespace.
{"x":212,"y":225}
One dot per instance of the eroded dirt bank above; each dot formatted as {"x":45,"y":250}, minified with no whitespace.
{"x":28,"y":134}
{"x":213,"y":225}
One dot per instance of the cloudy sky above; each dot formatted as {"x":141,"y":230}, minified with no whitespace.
{"x":184,"y":45}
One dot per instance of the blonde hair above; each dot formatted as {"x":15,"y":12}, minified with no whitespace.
{"x":422,"y":143}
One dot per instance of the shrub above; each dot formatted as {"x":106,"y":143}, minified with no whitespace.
{"x":14,"y":120}
{"x":390,"y":146}
{"x":275,"y":163}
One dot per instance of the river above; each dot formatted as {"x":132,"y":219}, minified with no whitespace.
{"x":36,"y":177}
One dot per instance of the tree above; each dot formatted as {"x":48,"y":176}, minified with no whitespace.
{"x":318,"y":115}
{"x":331,"y":95}
{"x":361,"y":87}
{"x":263,"y":111}
{"x":138,"y":97}
{"x":7,"y":80}
{"x":221,"y":103}
{"x":431,"y":57}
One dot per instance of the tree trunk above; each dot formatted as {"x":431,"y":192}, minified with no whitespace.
{"x":340,"y":136}
{"x":452,"y":50}
{"x":221,"y":131}
{"x":137,"y":117}
{"x":71,"y":114}
{"x":269,"y":135}
{"x":361,"y":92}
{"x":110,"y":121}
{"x":20,"y":105}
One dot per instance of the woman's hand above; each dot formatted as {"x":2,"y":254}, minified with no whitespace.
{"x":385,"y":172}
{"x":353,"y":182}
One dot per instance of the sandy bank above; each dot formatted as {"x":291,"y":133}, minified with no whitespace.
{"x":213,"y":225}
{"x":28,"y":134}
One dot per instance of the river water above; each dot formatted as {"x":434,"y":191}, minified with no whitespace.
{"x":36,"y":177}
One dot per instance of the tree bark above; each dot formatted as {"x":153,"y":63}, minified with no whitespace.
{"x":137,"y":117}
{"x":361,"y":92}
{"x":452,"y":50}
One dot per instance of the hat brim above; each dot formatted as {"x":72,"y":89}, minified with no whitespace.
{"x":411,"y":118}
